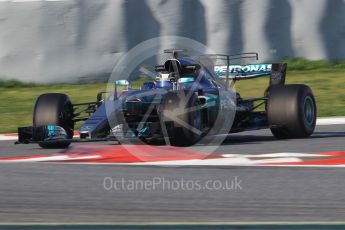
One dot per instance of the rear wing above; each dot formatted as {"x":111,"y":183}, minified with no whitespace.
{"x":276,"y":72}
{"x":226,"y":71}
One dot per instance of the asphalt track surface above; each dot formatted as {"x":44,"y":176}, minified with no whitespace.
{"x":66,"y":193}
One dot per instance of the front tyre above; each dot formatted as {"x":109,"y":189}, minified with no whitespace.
{"x":291,"y":111}
{"x":54,"y":109}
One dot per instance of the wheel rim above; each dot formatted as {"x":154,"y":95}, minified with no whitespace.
{"x":309,"y":111}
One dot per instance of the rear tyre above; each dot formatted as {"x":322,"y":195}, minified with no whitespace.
{"x":54,"y":109}
{"x":291,"y":111}
{"x":182,"y":110}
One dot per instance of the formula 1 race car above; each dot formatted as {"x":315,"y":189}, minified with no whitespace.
{"x":183,"y":104}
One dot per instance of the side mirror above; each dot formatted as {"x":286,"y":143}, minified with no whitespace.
{"x":121,"y":83}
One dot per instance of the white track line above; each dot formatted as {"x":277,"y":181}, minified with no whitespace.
{"x":58,"y":158}
{"x":7,"y":138}
{"x":11,"y":137}
{"x":25,"y":1}
{"x":330,"y":121}
{"x":274,"y":155}
{"x":240,"y":161}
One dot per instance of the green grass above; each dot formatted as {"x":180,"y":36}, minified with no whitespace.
{"x":326,"y":79}
{"x":300,"y":64}
{"x":328,"y":87}
{"x":16,"y":103}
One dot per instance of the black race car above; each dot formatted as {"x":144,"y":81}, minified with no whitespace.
{"x":190,"y":98}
